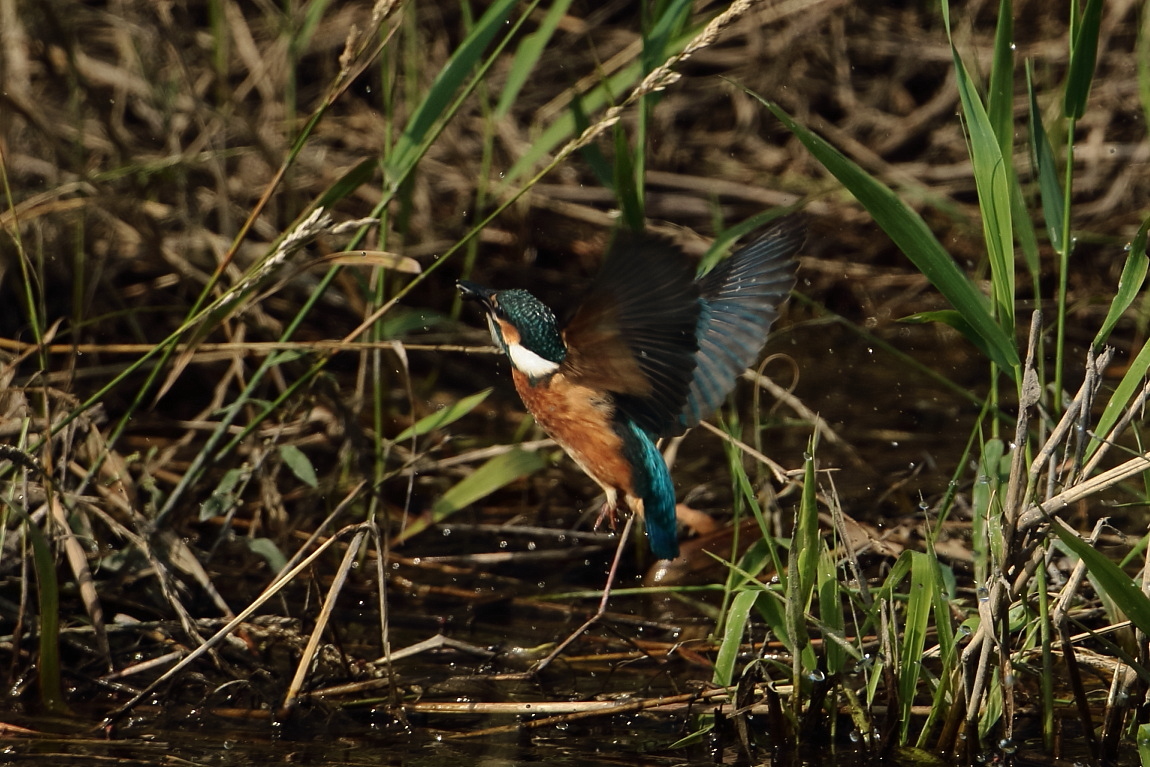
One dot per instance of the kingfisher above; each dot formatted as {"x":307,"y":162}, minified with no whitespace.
{"x":648,"y":353}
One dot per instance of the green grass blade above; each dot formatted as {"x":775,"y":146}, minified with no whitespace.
{"x":527,"y":56}
{"x":802,"y":572}
{"x":498,"y":472}
{"x":48,"y":595}
{"x":345,"y":185}
{"x":1129,"y":284}
{"x":299,"y":464}
{"x":734,"y":629}
{"x":1083,"y":59}
{"x":626,"y":183}
{"x":802,"y":558}
{"x":1144,"y":744}
{"x":1130,"y":384}
{"x":986,"y":508}
{"x":955,"y":320}
{"x":441,"y":418}
{"x":919,"y":606}
{"x":805,"y":542}
{"x":1045,"y":169}
{"x":1142,"y":56}
{"x":437,"y":102}
{"x":1000,"y":97}
{"x":564,"y":127}
{"x":1119,"y":586}
{"x":831,"y":617}
{"x":658,"y":41}
{"x":992,"y":181}
{"x":910,"y":233}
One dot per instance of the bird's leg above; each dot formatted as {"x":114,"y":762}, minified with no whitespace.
{"x":623,"y":538}
{"x":609,"y":510}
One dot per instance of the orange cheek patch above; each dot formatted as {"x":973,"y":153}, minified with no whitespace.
{"x":510,"y":334}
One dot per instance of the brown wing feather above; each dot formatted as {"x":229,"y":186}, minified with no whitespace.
{"x":635,"y":332}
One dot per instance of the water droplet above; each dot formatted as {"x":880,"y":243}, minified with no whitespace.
{"x":983,"y":594}
{"x":817,"y":676}
{"x":1007,"y":746}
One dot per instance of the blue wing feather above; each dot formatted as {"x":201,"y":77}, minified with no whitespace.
{"x":739,"y":300}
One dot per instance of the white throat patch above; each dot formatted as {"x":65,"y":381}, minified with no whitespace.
{"x":529,"y":363}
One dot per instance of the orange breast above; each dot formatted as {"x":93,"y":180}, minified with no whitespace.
{"x":580,"y":421}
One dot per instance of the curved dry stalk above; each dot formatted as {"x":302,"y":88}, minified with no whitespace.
{"x":305,"y":661}
{"x":278,"y":583}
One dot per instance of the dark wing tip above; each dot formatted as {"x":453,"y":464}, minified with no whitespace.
{"x":741,"y":298}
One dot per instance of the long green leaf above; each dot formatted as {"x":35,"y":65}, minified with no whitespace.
{"x":831,"y":618}
{"x":1144,"y":744}
{"x":1129,"y":284}
{"x":992,"y":181}
{"x":1083,"y":59}
{"x":527,"y":56}
{"x":1131,"y":382}
{"x":441,"y":418}
{"x":910,"y":233}
{"x":1000,"y":96}
{"x":657,"y":42}
{"x":1045,"y":169}
{"x":564,"y":126}
{"x":919,"y":604}
{"x":498,"y":472}
{"x":48,"y":592}
{"x":734,"y":629}
{"x":447,"y":83}
{"x":1109,"y":577}
{"x":1142,"y":56}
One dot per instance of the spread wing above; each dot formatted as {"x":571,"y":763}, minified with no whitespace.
{"x":740,"y":300}
{"x":635,"y":333}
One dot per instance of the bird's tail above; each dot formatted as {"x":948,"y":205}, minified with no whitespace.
{"x":652,"y":484}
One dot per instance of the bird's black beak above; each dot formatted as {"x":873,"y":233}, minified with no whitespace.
{"x":473,"y":292}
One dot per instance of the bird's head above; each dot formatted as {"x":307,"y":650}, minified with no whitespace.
{"x":522,"y":326}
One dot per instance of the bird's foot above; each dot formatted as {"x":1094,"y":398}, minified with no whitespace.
{"x":608,"y":512}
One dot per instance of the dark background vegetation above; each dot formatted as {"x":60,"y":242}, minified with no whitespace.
{"x":137,"y":138}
